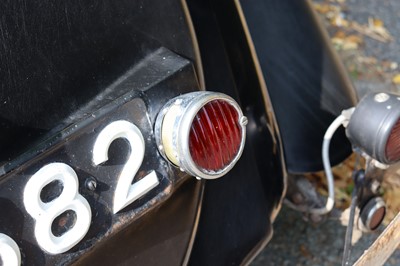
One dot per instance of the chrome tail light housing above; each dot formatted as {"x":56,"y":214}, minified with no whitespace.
{"x":374,"y":127}
{"x":202,"y":133}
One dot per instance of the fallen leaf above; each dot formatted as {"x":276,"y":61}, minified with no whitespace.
{"x":396,"y":79}
{"x":340,"y":35}
{"x":343,"y":42}
{"x":322,"y":8}
{"x":338,"y":42}
{"x":367,"y":60}
{"x":376,"y":25}
{"x":349,"y":46}
{"x":305,"y":252}
{"x":327,"y":9}
{"x":339,"y":21}
{"x":377,"y":33}
{"x":377,"y":22}
{"x":355,"y":39}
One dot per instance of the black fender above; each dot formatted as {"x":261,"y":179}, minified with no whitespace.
{"x":306,"y":81}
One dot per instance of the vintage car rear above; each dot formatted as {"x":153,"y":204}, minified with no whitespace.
{"x":97,"y":169}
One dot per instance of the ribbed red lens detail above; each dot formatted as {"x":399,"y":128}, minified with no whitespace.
{"x":215,"y":136}
{"x":393,"y":143}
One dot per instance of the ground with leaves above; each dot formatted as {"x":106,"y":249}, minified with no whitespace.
{"x":369,"y":49}
{"x":366,"y":33}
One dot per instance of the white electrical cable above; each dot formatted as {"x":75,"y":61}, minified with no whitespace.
{"x":327,"y":165}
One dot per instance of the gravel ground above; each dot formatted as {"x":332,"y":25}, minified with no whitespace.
{"x":389,"y":12}
{"x":296,"y":242}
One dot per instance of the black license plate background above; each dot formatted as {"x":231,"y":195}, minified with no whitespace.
{"x":75,"y":150}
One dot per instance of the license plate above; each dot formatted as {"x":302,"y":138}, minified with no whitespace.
{"x":98,"y":177}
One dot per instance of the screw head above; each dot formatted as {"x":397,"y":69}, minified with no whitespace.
{"x":91,"y":183}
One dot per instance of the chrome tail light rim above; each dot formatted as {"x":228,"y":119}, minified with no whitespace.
{"x":172,"y":129}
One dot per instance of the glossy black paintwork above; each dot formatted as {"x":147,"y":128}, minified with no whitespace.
{"x":55,"y":56}
{"x":238,"y":209}
{"x":62,"y":61}
{"x":154,"y":83}
{"x":153,"y":240}
{"x":307,"y":85}
{"x":67,"y":70}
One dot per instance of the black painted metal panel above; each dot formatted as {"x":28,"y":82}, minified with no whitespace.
{"x":307,"y":85}
{"x":68,"y":69}
{"x":238,"y":209}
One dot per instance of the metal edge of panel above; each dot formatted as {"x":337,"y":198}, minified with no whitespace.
{"x":195,"y":226}
{"x":195,"y":44}
{"x":201,"y":80}
{"x":274,"y":130}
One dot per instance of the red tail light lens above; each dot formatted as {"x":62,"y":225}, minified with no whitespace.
{"x":202,"y":133}
{"x":215,"y":136}
{"x":393,"y":143}
{"x":377,"y":218}
{"x":372,"y":214}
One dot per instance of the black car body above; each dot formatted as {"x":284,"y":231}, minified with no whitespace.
{"x":69,"y":68}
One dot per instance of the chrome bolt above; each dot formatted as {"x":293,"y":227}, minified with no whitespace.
{"x":91,"y":184}
{"x":243,"y":121}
